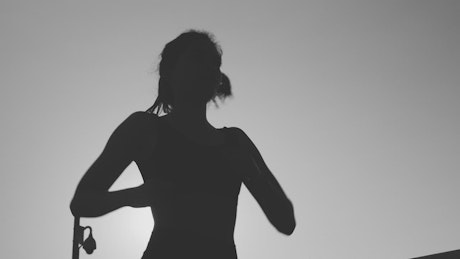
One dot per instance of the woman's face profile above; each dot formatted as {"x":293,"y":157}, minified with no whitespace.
{"x":197,"y":72}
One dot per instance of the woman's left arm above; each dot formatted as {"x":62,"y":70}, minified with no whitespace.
{"x":92,"y":198}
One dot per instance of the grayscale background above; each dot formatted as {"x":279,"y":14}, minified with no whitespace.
{"x":354,"y":106}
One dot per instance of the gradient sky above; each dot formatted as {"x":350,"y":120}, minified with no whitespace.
{"x":354,"y":106}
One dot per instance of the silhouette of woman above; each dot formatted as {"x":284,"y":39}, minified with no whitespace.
{"x":192,"y":171}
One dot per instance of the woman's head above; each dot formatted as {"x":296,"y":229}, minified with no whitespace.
{"x":189,"y":71}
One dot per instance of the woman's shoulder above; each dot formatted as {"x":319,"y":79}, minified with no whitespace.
{"x":238,"y":132}
{"x":144,"y":126}
{"x":140,"y":118}
{"x":240,"y":135}
{"x":143,"y":115}
{"x":141,"y":121}
{"x":244,"y":140}
{"x":148,"y":121}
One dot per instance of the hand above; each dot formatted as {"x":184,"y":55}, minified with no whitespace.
{"x":154,"y":192}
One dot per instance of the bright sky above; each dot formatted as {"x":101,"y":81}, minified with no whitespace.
{"x":353,"y":105}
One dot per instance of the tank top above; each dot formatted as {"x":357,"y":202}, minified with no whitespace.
{"x":207,"y":179}
{"x":194,"y":166}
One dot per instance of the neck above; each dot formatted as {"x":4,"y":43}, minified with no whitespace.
{"x":190,"y":115}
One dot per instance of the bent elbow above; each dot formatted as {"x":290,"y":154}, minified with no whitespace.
{"x":288,"y":229}
{"x":78,"y":206}
{"x":285,"y":225}
{"x":284,"y":220}
{"x":74,"y":208}
{"x":290,"y":222}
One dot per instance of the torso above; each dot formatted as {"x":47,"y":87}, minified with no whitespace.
{"x":207,"y":176}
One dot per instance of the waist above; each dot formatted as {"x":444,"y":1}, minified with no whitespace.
{"x":192,"y":235}
{"x":186,"y":243}
{"x":204,"y":218}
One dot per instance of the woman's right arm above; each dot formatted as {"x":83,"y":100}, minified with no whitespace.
{"x":263,"y":185}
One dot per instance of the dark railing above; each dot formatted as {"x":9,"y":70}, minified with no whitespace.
{"x":446,"y":255}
